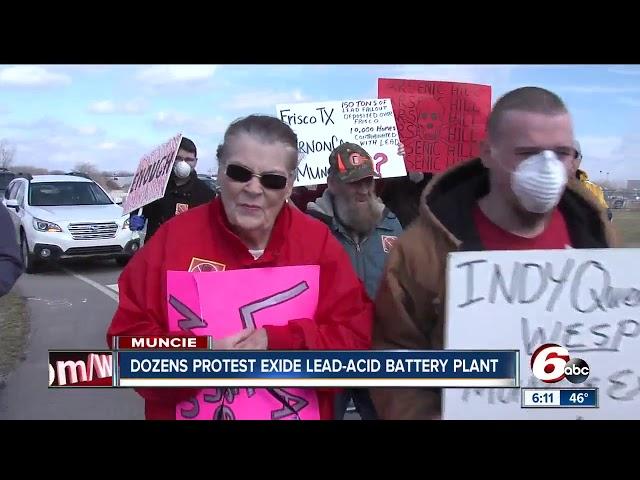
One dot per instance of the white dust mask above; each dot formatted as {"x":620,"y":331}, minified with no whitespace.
{"x":539,"y":181}
{"x":182,"y":169}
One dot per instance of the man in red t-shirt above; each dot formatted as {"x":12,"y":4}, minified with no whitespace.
{"x":521,"y":194}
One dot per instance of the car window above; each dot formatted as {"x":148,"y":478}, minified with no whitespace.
{"x":13,"y":191}
{"x":67,"y":193}
{"x":7,"y":192}
{"x":20,"y":194}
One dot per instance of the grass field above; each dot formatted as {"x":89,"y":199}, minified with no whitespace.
{"x":14,"y":332}
{"x":627,"y":224}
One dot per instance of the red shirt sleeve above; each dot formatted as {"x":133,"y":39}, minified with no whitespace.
{"x":345,"y":312}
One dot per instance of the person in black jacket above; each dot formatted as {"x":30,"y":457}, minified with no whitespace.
{"x":184,"y":191}
{"x":11,"y":266}
{"x":401,"y":195}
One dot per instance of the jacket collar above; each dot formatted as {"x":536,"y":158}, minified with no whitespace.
{"x":582,"y":175}
{"x":449,"y":200}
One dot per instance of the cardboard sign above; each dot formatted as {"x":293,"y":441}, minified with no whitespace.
{"x":439,"y":123}
{"x":152,"y":175}
{"x":221,"y":304}
{"x":587,"y":301}
{"x":323,"y":126}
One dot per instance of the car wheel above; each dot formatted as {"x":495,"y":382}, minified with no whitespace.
{"x":28,"y":259}
{"x":122,"y":261}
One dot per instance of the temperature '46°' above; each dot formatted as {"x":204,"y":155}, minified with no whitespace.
{"x":578,"y":398}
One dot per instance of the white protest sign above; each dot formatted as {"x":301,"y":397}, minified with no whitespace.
{"x":152,"y":175}
{"x":587,"y":301}
{"x":322,"y":126}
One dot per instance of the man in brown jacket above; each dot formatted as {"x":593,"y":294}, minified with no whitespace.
{"x":521,"y":194}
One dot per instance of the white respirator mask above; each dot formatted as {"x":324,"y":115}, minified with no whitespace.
{"x":182,"y":169}
{"x":539,"y":182}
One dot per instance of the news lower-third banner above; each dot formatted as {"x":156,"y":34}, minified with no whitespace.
{"x":243,"y":368}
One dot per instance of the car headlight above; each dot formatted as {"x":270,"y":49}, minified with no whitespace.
{"x":44,"y":226}
{"x":125,"y":225}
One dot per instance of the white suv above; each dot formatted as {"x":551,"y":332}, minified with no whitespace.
{"x":67,"y":216}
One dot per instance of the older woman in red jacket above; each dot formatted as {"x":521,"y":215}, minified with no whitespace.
{"x":250,"y":225}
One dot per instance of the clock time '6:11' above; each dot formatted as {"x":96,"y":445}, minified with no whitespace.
{"x":542,"y":397}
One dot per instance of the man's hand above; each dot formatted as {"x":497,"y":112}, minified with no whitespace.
{"x":257,"y":340}
{"x":401,"y":151}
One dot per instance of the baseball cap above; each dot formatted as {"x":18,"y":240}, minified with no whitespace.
{"x":351,"y":163}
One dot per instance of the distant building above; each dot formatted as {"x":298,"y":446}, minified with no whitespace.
{"x":633,"y":184}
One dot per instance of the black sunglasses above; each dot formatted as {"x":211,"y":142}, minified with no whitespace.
{"x":272,"y":181}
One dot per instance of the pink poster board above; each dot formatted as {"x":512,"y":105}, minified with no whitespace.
{"x":220,"y":304}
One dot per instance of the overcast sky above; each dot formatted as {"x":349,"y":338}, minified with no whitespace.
{"x":58,"y":115}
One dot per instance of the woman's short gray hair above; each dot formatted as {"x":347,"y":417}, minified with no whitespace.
{"x":266,"y":128}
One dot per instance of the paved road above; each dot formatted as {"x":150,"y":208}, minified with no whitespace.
{"x":66,"y":312}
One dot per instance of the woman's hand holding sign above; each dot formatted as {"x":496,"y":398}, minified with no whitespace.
{"x":246,"y":339}
{"x":230,"y":342}
{"x":257,"y":340}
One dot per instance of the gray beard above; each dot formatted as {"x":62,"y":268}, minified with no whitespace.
{"x":360,"y":218}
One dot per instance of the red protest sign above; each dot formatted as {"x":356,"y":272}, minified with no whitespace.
{"x":439,"y":123}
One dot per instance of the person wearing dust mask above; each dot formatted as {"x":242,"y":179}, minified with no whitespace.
{"x":521,"y":194}
{"x":184,"y":191}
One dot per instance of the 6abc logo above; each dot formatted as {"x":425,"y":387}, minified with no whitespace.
{"x":551,"y":363}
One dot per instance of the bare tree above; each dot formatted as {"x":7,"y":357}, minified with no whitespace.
{"x":28,"y":169}
{"x":91,"y":171}
{"x":88,"y":169}
{"x":111,"y":185}
{"x":7,"y":153}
